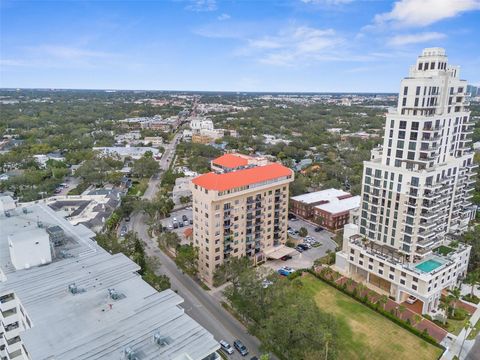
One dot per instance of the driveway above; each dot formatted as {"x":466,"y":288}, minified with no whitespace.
{"x":306,"y":258}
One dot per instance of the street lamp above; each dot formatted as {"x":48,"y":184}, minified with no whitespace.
{"x":468,"y":326}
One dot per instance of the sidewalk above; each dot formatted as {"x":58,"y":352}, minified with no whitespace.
{"x":454,"y":346}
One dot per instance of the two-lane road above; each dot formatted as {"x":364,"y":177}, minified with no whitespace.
{"x":199,"y":304}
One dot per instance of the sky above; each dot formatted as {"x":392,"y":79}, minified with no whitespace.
{"x":235,"y":45}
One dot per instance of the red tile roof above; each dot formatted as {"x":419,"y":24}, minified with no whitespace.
{"x":230,"y":161}
{"x":244,"y":177}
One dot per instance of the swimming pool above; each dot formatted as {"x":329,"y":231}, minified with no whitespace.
{"x":429,"y":265}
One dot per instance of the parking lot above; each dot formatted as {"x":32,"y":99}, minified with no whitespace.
{"x":307,"y":257}
{"x":178,"y":215}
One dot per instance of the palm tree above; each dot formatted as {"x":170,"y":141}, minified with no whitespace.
{"x":473,"y":278}
{"x":444,"y":306}
{"x":416,"y":319}
{"x":383,"y":300}
{"x":455,"y":293}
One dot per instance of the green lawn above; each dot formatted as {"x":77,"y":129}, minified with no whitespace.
{"x":138,"y":187}
{"x":475,"y":331}
{"x":365,"y":334}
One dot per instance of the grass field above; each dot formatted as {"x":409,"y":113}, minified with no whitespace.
{"x":365,"y":334}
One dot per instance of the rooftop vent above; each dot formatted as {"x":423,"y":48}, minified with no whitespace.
{"x":161,"y":340}
{"x":74,"y":289}
{"x":129,"y":354}
{"x":115,"y":295}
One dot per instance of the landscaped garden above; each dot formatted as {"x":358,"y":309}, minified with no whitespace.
{"x":364,"y":333}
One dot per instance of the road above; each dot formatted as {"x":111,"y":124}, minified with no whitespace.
{"x":474,"y":353}
{"x":198,"y":303}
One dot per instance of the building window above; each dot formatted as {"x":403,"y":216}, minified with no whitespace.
{"x":402,"y":281}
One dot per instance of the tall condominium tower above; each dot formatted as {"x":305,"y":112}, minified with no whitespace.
{"x":416,"y":189}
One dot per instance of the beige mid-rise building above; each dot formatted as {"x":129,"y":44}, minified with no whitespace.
{"x":240,"y":211}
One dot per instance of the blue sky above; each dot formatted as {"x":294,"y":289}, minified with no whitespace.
{"x":243,"y":45}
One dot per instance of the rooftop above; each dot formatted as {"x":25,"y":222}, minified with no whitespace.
{"x":336,"y":206}
{"x":319,"y":196}
{"x":243,"y":177}
{"x":230,"y":161}
{"x":91,"y":324}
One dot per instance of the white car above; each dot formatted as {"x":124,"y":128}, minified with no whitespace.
{"x":226,"y":347}
{"x":411,"y":299}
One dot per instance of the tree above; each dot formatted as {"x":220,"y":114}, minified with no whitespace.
{"x":455,"y":294}
{"x":169,"y":240}
{"x":383,"y":301}
{"x":473,"y":278}
{"x":303,"y":232}
{"x":306,"y":331}
{"x":401,"y":309}
{"x":446,"y":305}
{"x":186,"y":259}
{"x":231,"y":271}
{"x":416,"y":319}
{"x":145,"y":167}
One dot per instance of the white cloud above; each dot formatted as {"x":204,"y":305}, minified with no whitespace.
{"x":406,"y":39}
{"x":295,"y":44}
{"x":223,"y":17}
{"x":202,"y":5}
{"x":59,"y":56}
{"x":68,"y":52}
{"x":424,"y":12}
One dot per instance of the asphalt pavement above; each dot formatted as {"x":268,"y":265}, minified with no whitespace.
{"x":198,"y":303}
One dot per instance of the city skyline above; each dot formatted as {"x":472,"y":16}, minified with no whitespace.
{"x":207,"y":45}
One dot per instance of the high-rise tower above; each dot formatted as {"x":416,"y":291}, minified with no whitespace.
{"x":417,"y":185}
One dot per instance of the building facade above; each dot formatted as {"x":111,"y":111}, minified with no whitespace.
{"x":304,"y":205}
{"x":416,"y":189}
{"x":336,"y":213}
{"x":64,"y":297}
{"x":239,"y":213}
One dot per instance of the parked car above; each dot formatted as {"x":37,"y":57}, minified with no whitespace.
{"x":225,"y":346}
{"x":242,"y":349}
{"x":411,"y":299}
{"x":127,"y":218}
{"x":286,"y":257}
{"x":175,"y":225}
{"x":318,"y":229}
{"x":303,"y":247}
{"x":291,"y":217}
{"x":285,"y":271}
{"x":191,"y":221}
{"x":254,"y":358}
{"x":181,"y":224}
{"x":184,"y":218}
{"x":306,"y":246}
{"x":174,"y":219}
{"x":299,"y":248}
{"x":123,"y":230}
{"x":170,"y":226}
{"x":186,"y":223}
